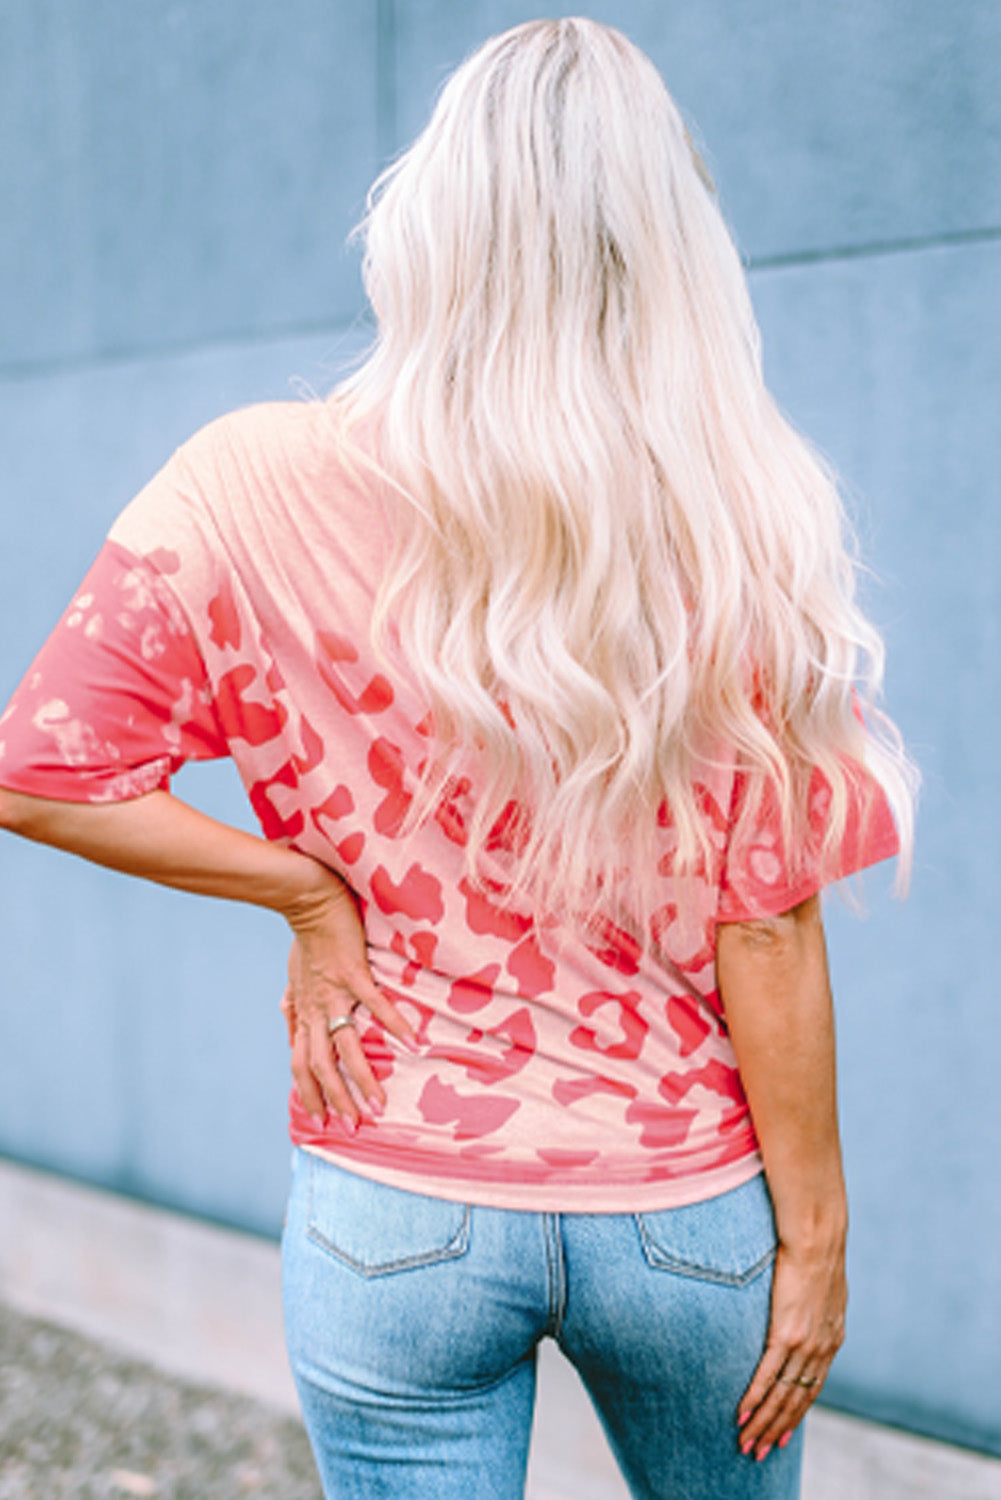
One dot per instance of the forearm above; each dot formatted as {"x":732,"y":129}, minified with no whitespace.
{"x":161,"y":838}
{"x":776,"y":994}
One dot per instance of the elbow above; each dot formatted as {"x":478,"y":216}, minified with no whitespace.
{"x":8,"y":810}
{"x":18,"y":813}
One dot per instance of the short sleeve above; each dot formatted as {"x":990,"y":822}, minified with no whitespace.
{"x":761,"y":879}
{"x":117,"y":699}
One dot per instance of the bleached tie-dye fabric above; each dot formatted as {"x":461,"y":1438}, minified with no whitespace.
{"x":228,"y":614}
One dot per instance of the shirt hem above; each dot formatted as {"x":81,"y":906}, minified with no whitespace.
{"x":586,"y":1197}
{"x":732,"y":910}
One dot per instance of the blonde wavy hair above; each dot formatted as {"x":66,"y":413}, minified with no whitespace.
{"x":615,"y":559}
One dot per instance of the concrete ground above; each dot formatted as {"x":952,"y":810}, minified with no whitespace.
{"x":79,"y":1421}
{"x":142,"y":1354}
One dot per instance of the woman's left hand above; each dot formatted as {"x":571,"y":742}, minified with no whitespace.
{"x":328,"y":979}
{"x":161,"y":838}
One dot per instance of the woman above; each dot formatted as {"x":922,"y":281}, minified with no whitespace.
{"x":536,"y":649}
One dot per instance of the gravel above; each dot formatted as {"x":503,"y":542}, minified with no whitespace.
{"x":79,"y":1421}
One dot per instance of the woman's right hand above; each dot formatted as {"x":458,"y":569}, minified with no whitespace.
{"x":776,"y":996}
{"x":805,"y":1331}
{"x":328,"y":978}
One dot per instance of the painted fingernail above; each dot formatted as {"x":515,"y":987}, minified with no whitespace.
{"x":746,"y":1448}
{"x":376,"y":1106}
{"x":349,"y":1124}
{"x":319,"y":1121}
{"x":784,"y":1439}
{"x":764,"y":1452}
{"x":745,"y":1416}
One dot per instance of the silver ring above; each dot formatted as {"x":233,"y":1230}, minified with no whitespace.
{"x":338,"y":1023}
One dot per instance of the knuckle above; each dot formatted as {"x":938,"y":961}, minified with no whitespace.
{"x":336,"y":1097}
{"x":327,"y":1073}
{"x":308,"y":1091}
{"x":332,"y":1082}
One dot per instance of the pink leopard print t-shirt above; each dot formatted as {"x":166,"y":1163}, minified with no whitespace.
{"x":228,"y":614}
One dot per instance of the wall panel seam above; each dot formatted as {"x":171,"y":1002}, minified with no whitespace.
{"x":955,"y":239}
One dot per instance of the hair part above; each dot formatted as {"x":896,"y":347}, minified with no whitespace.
{"x":615,"y":559}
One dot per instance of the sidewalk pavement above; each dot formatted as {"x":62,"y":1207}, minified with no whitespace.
{"x":79,"y":1421}
{"x":143,"y":1355}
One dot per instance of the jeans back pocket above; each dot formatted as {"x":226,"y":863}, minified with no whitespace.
{"x":729,"y":1239}
{"x":376,"y":1229}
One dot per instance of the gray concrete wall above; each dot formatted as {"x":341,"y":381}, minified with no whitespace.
{"x":177,"y":182}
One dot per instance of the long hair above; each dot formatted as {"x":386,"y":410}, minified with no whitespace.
{"x":615,"y":559}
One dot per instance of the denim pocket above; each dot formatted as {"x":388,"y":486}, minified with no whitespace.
{"x":729,"y":1239}
{"x":376,"y":1229}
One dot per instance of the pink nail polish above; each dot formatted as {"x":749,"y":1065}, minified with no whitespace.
{"x":349,"y":1124}
{"x":764,"y":1452}
{"x":784,"y":1439}
{"x":745,"y":1416}
{"x":376,"y":1106}
{"x":746,"y":1448}
{"x":319,"y":1121}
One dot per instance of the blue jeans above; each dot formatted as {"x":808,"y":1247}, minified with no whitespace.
{"x":412,"y":1326}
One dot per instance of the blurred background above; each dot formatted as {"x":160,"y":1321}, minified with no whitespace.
{"x":177,"y":181}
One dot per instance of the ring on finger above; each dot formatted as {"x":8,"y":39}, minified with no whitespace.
{"x":337,"y":1023}
{"x":799,"y":1380}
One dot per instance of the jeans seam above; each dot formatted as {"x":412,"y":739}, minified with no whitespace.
{"x":555,"y":1273}
{"x":456,"y":1246}
{"x":659,"y":1260}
